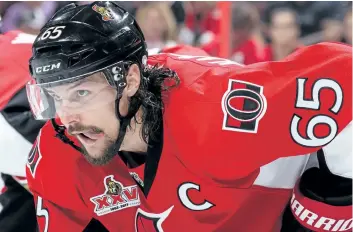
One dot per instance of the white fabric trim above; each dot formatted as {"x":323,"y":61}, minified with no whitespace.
{"x":282,"y":173}
{"x":338,"y":153}
{"x":14,"y":150}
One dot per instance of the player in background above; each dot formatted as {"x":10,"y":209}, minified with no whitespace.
{"x":19,"y":130}
{"x":189,"y":143}
{"x":247,"y":44}
{"x":284,"y":32}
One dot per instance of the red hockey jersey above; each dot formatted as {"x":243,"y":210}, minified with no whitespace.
{"x":69,"y":192}
{"x":219,"y":168}
{"x":225,"y":128}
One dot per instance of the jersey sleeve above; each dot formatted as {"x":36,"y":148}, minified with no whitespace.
{"x":235,"y":119}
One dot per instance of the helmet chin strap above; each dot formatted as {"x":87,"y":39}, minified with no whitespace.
{"x":60,"y":134}
{"x":124,"y":122}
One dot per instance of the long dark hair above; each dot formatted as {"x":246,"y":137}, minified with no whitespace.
{"x":154,"y":81}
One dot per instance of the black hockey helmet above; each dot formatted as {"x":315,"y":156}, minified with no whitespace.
{"x":79,"y":41}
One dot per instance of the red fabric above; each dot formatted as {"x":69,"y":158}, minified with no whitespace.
{"x":71,"y":189}
{"x":13,"y":56}
{"x":246,"y":53}
{"x":318,"y":216}
{"x":214,"y":159}
{"x":214,"y":144}
{"x":205,"y":82}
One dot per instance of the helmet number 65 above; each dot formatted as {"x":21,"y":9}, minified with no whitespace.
{"x":52,"y":33}
{"x":314,"y":104}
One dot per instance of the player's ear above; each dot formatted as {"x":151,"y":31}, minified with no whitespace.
{"x":133,"y":80}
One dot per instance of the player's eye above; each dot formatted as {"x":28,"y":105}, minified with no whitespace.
{"x":83,"y":93}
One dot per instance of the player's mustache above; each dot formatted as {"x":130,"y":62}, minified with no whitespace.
{"x":79,"y":128}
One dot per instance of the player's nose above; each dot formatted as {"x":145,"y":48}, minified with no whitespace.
{"x":68,"y":117}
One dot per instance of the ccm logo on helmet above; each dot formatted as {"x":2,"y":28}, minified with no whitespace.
{"x":243,"y":105}
{"x":48,"y":68}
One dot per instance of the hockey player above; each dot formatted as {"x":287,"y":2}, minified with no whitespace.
{"x":190,"y":143}
{"x":19,"y":130}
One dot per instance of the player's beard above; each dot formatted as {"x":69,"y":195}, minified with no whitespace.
{"x":108,"y":152}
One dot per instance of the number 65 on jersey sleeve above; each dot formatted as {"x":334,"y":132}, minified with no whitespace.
{"x":312,"y":103}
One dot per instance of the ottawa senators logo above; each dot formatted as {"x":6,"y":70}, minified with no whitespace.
{"x":115,"y":197}
{"x":106,"y":14}
{"x":243,"y":105}
{"x":113,"y":188}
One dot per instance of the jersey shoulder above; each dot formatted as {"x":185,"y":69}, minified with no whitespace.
{"x":192,"y":64}
{"x":251,"y":115}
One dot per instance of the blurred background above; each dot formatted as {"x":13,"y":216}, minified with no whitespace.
{"x":246,"y":32}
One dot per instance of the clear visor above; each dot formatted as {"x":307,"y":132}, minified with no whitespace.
{"x":69,"y":97}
